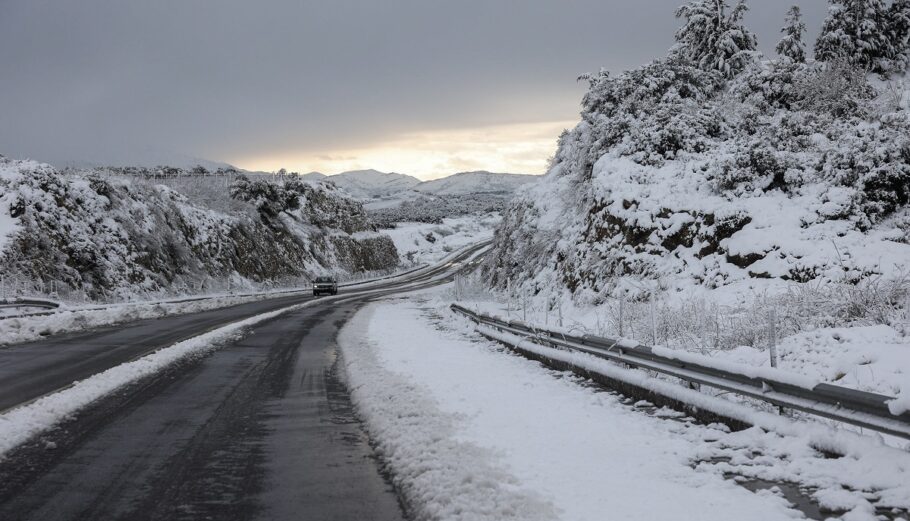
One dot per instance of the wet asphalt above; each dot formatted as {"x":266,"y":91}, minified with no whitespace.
{"x":262,"y":428}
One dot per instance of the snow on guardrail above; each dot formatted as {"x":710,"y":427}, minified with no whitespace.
{"x":780,"y":388}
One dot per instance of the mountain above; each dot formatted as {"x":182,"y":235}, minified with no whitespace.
{"x":147,"y":158}
{"x":369,"y":184}
{"x":481,"y":181}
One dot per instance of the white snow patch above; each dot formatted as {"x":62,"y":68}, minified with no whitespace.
{"x":575,"y":448}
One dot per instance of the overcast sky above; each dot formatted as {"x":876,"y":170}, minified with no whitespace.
{"x":423,"y":87}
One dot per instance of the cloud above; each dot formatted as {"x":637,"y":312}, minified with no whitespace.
{"x":230,"y":79}
{"x":516,"y":148}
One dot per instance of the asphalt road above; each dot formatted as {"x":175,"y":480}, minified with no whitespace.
{"x":262,"y":428}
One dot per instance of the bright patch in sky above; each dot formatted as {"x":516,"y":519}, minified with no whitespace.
{"x":522,"y":148}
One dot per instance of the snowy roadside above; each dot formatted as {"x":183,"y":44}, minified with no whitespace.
{"x":27,"y":328}
{"x":874,"y":358}
{"x":473,"y":432}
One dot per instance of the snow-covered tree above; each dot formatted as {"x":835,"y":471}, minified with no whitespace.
{"x":856,"y":30}
{"x":899,"y":31}
{"x":791,"y":45}
{"x":714,"y":39}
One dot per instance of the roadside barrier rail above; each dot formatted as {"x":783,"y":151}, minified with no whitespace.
{"x":28,"y":303}
{"x":860,"y":408}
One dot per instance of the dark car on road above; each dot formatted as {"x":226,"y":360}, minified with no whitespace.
{"x":325,"y":286}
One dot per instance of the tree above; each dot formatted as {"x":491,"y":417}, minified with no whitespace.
{"x":791,"y":45}
{"x":856,"y":30}
{"x":899,"y":30}
{"x":712,"y":39}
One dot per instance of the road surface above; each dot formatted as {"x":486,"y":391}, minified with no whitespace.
{"x":263,"y":428}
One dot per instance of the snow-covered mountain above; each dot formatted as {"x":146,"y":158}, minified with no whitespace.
{"x":148,"y":158}
{"x":369,"y":184}
{"x":478,"y":182}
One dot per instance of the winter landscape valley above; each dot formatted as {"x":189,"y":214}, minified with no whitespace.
{"x":353,"y":261}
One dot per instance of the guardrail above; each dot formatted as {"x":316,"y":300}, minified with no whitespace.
{"x":350,"y":283}
{"x":28,"y":303}
{"x":860,"y":408}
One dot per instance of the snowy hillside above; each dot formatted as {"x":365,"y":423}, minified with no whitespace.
{"x":692,"y":176}
{"x":370,"y":184}
{"x":713,"y":199}
{"x":461,"y":194}
{"x":102,"y":235}
{"x":464,"y":183}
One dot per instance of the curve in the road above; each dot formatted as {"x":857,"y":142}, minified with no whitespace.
{"x":263,"y":428}
{"x":34,"y":369}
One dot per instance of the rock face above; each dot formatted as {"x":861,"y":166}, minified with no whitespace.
{"x":680,"y":178}
{"x":114,"y":236}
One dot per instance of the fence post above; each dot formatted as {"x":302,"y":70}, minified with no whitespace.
{"x":621,"y":318}
{"x":524,"y":305}
{"x":546,"y":312}
{"x":653,"y":321}
{"x":559,"y":308}
{"x":772,"y":334}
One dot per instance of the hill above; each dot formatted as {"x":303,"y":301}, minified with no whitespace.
{"x":371,"y":184}
{"x":693,"y":173}
{"x":477,"y":182}
{"x":113,"y":235}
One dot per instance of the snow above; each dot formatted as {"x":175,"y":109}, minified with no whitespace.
{"x":777,"y":449}
{"x":8,"y":224}
{"x":435,"y":401}
{"x":464,"y":183}
{"x":371,"y":184}
{"x":455,"y":232}
{"x":869,"y":358}
{"x":28,"y":328}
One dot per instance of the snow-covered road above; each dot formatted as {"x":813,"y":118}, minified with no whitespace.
{"x":475,"y":432}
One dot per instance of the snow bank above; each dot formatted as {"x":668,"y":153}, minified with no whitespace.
{"x":429,"y":396}
{"x":777,"y":449}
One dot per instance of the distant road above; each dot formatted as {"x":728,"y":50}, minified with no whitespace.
{"x":262,"y":428}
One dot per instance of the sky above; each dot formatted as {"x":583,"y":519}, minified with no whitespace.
{"x":423,"y":87}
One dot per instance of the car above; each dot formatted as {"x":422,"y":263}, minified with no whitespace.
{"x":325,"y":286}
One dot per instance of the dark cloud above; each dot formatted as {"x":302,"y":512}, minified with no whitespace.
{"x":108,"y":80}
